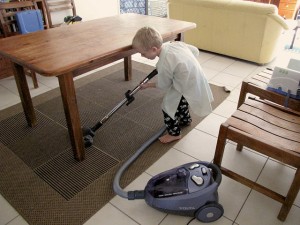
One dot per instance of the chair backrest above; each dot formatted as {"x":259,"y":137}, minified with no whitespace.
{"x":8,"y":11}
{"x":56,"y":8}
{"x":29,"y":21}
{"x":41,"y":6}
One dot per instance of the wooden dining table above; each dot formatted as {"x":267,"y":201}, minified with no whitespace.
{"x":68,"y":51}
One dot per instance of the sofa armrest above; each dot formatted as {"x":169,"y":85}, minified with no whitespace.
{"x":280,"y":20}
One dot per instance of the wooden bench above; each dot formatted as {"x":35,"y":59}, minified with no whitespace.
{"x":265,"y":126}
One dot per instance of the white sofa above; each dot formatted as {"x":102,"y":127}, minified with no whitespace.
{"x":240,"y":29}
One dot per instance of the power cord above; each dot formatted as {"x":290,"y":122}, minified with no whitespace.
{"x":190,"y":221}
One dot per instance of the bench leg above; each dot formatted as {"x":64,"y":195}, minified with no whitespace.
{"x":243,"y":93}
{"x":220,"y":145}
{"x":290,"y":197}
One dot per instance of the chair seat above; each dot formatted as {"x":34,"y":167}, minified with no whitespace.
{"x":270,"y":129}
{"x":267,"y":123}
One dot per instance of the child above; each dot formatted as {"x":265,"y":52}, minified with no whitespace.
{"x":180,"y":75}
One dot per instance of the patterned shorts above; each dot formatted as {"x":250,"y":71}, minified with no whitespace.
{"x":182,"y":118}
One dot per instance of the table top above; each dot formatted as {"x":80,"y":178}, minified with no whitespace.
{"x":64,"y":49}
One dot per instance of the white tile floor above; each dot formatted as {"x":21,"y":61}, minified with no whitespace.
{"x":242,"y":205}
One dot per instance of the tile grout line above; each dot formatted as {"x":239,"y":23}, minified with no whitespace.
{"x":251,"y":190}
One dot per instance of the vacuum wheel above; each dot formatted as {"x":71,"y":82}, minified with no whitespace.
{"x":209,"y":212}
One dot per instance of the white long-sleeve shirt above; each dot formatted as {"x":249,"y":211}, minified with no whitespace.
{"x":180,"y":74}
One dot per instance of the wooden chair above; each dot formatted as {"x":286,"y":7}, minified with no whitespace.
{"x":41,"y":6}
{"x":67,"y":7}
{"x":7,"y":15}
{"x":8,"y":27}
{"x":268,"y":128}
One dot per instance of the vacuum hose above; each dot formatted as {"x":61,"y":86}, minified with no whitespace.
{"x":131,"y":195}
{"x":216,"y":171}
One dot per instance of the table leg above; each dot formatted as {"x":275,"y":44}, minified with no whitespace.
{"x":128,"y":68}
{"x":180,"y":37}
{"x":24,"y":93}
{"x":67,"y":89}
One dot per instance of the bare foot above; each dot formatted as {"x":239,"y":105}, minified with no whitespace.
{"x":167,"y":138}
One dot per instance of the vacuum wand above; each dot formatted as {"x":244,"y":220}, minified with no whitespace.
{"x":89,"y":133}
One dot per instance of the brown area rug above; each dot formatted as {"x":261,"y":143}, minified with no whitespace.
{"x":39,"y":176}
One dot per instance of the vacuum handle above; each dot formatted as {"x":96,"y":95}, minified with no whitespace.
{"x":152,"y":74}
{"x":129,"y":94}
{"x":217,"y":171}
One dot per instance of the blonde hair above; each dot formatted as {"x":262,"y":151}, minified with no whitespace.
{"x":146,"y":38}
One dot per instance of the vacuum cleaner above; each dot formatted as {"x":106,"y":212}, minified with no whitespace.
{"x":89,"y":133}
{"x":186,"y":190}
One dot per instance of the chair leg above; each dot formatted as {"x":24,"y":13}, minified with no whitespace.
{"x":220,"y":145}
{"x":290,"y":197}
{"x":32,"y":74}
{"x":34,"y":79}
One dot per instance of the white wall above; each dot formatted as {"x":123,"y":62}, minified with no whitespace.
{"x":94,"y":9}
{"x":89,"y":10}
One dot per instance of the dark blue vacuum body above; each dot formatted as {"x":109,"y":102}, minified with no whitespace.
{"x":188,"y":190}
